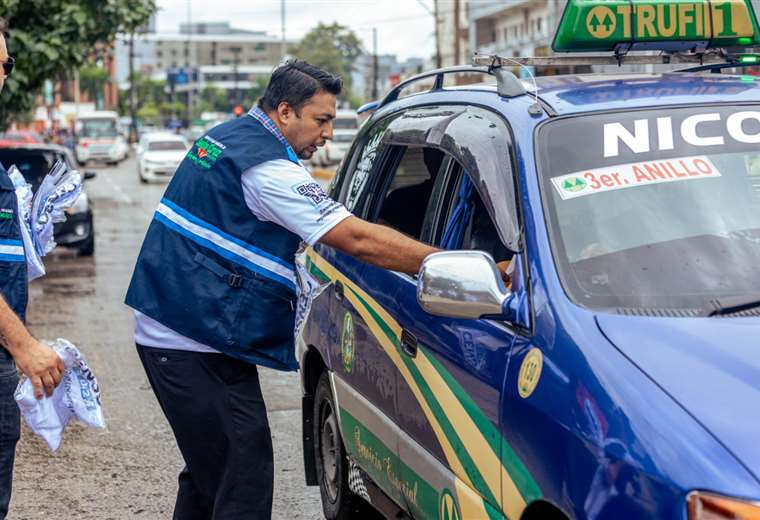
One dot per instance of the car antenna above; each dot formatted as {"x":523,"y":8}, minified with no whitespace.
{"x":508,"y":85}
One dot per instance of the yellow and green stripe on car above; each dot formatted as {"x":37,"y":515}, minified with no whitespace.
{"x":473,"y":446}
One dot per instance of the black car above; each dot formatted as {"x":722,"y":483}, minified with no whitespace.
{"x":34,"y":161}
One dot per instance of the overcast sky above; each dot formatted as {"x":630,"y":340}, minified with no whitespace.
{"x":404,"y":27}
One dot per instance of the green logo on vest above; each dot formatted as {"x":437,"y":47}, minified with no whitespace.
{"x":347,"y":350}
{"x":205,"y":152}
{"x":447,"y":507}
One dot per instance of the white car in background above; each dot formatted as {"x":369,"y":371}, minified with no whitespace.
{"x":345,"y":127}
{"x":159,"y":155}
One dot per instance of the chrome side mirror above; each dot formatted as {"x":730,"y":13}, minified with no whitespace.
{"x":461,"y":284}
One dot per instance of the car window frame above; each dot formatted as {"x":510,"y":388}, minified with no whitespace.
{"x":433,"y":133}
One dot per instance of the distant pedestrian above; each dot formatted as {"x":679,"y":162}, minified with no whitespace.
{"x":18,"y":348}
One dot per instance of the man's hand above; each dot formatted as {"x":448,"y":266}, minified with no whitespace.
{"x":41,"y":365}
{"x":503,"y":266}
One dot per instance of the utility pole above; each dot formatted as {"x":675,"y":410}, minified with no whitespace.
{"x":374,"y":63}
{"x":456,"y":32}
{"x":437,"y":36}
{"x":235,"y":60}
{"x":282,"y":20}
{"x":188,"y":65}
{"x":132,"y":108}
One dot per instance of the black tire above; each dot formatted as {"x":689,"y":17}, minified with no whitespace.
{"x":338,"y":501}
{"x":88,"y":248}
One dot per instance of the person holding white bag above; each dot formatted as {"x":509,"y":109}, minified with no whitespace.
{"x":19,"y":349}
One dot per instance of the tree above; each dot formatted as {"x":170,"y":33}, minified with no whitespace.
{"x":334,"y":48}
{"x":92,"y":79}
{"x":53,"y":38}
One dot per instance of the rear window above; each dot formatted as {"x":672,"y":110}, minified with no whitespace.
{"x":156,"y":146}
{"x":33,"y":164}
{"x":654,"y":208}
{"x":345,"y":123}
{"x":343,"y":138}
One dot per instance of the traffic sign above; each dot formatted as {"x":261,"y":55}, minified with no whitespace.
{"x":606,"y":25}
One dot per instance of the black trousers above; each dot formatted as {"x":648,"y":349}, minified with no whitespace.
{"x":10,"y":427}
{"x":214,"y":405}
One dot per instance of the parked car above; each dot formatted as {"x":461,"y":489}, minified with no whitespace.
{"x":159,"y":155}
{"x":34,"y":161}
{"x":345,"y":126}
{"x":618,"y":375}
{"x":14,"y":138}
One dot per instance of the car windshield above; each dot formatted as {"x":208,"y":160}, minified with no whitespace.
{"x":33,"y":164}
{"x":157,"y":146}
{"x":95,"y":128}
{"x":654,"y":211}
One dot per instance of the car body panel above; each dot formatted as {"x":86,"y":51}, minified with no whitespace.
{"x":608,"y":431}
{"x":725,"y":398}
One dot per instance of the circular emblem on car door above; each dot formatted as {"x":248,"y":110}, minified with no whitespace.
{"x":447,"y":507}
{"x":347,"y":350}
{"x":530,"y":372}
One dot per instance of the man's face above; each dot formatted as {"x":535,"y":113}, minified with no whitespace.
{"x":3,"y":59}
{"x":311,"y":127}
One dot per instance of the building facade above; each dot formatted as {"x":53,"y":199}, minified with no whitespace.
{"x":199,"y":46}
{"x":452,"y":31}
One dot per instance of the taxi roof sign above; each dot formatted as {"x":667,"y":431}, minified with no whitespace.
{"x":670,"y":25}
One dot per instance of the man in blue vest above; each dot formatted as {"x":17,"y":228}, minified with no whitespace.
{"x":214,"y":285}
{"x":18,"y":348}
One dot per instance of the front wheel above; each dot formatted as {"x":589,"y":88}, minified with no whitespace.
{"x":338,"y":501}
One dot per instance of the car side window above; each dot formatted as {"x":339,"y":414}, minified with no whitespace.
{"x":405,"y":191}
{"x":468,"y":224}
{"x":351,"y":183}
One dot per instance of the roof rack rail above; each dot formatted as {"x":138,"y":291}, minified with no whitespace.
{"x":507,"y":84}
{"x":706,"y":58}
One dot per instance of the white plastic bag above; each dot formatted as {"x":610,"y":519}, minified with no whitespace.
{"x":34,"y":266}
{"x":308,"y":287}
{"x":58,"y":190}
{"x":77,"y":396}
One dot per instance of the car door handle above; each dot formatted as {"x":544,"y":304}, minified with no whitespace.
{"x":339,"y":290}
{"x":408,"y":343}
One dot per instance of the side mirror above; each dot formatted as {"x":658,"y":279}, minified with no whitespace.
{"x":89,"y":175}
{"x":461,"y":284}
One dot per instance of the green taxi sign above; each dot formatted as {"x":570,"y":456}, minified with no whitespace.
{"x":609,"y":25}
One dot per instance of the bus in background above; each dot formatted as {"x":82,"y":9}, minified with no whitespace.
{"x":99,"y":138}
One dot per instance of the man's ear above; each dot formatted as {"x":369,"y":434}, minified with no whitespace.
{"x":284,"y":112}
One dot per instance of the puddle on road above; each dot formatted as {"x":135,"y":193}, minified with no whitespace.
{"x":67,"y":288}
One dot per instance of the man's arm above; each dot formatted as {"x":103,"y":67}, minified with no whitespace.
{"x":39,"y":362}
{"x":377,"y":245}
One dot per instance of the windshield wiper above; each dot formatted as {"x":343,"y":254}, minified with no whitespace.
{"x":723,"y":306}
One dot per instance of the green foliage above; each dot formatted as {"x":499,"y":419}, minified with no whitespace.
{"x":215,"y":99}
{"x":92,"y":79}
{"x":52,"y":38}
{"x":334,"y":48}
{"x":149,"y":114}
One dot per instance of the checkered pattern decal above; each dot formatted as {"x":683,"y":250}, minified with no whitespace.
{"x":356,"y":481}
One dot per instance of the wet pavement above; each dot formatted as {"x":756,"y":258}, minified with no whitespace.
{"x":129,"y":470}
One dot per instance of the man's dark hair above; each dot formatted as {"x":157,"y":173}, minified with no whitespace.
{"x":295,"y":82}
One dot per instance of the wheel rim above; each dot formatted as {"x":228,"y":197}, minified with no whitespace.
{"x":328,"y":446}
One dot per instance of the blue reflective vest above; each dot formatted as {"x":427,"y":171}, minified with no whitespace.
{"x":208,"y":268}
{"x":13,"y":282}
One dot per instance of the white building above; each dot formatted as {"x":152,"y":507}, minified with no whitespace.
{"x":214,"y":49}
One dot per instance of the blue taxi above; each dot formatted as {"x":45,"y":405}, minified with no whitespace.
{"x":618,"y":375}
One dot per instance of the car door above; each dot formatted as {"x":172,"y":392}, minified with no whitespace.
{"x":449,"y":397}
{"x":364,"y":377}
